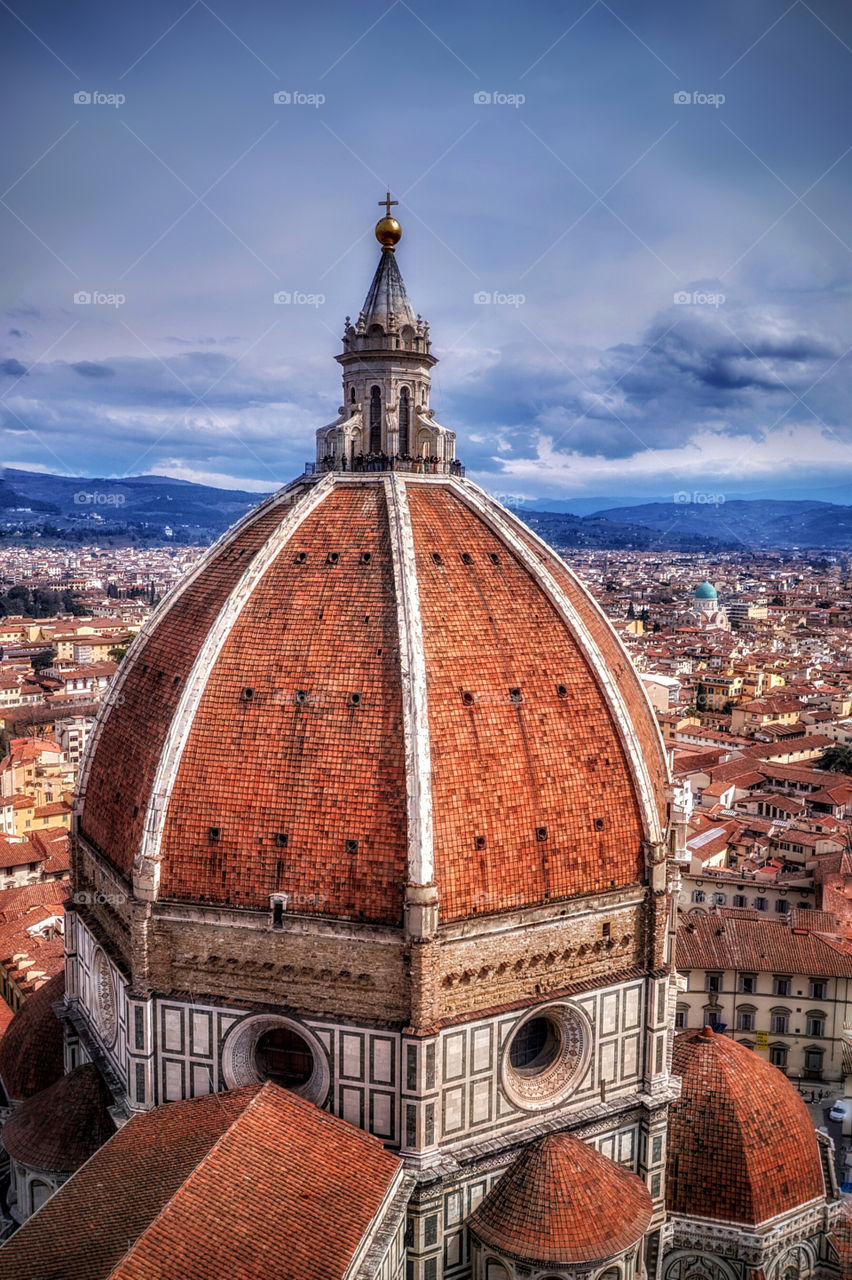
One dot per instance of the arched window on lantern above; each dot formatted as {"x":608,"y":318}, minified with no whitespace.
{"x":404,"y":419}
{"x":375,"y":420}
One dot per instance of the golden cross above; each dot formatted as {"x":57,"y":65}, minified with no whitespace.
{"x":387,"y":202}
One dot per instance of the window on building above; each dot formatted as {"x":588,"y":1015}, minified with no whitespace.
{"x":698,"y":895}
{"x":813,"y":1062}
{"x":739,"y":900}
{"x":778,"y":1055}
{"x":779,"y":1023}
{"x":39,"y":1193}
{"x":748,"y":983}
{"x":781,"y":986}
{"x":681,"y":1016}
{"x":817,"y":989}
{"x":284,"y":1057}
{"x":782,"y":906}
{"x":760,"y":904}
{"x":711,"y":1016}
{"x":713,"y":982}
{"x":816,"y":1024}
{"x":535,"y":1046}
{"x":745,"y":1018}
{"x":719,"y":899}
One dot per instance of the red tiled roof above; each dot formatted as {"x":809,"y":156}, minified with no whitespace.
{"x":741,"y":1144}
{"x":61,"y":1127}
{"x":134,"y":731}
{"x":52,"y":810}
{"x":502,"y":770}
{"x":18,"y":853}
{"x":15,"y":903}
{"x":731,"y":941}
{"x":251,"y":1183}
{"x":561,"y":1203}
{"x":31,"y":1051}
{"x":6,"y":1016}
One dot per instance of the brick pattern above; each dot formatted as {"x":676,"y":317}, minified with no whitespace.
{"x":61,"y":1127}
{"x":561,"y":1202}
{"x":31,"y":1053}
{"x":543,"y":779}
{"x":128,"y":752}
{"x":292,"y":780}
{"x":741,"y":1144}
{"x":621,"y":667}
{"x":321,"y":772}
{"x":250,"y":1183}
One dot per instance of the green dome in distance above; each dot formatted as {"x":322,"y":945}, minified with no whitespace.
{"x":706,"y":592}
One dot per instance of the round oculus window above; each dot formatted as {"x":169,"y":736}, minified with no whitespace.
{"x":269,"y":1047}
{"x":546,"y":1056}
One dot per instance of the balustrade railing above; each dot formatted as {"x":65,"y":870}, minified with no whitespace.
{"x":381,"y":462}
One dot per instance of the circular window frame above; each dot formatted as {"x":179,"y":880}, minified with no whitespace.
{"x":238,"y":1056}
{"x":105,"y":998}
{"x":560,"y":1077}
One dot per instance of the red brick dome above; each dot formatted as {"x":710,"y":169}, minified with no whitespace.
{"x":562,"y":1202}
{"x":31,"y":1049}
{"x":371,"y":681}
{"x":741,"y":1145}
{"x":61,"y":1127}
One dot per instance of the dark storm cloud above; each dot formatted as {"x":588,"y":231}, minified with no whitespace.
{"x":12,"y":368}
{"x":597,"y":362}
{"x":88,"y":369}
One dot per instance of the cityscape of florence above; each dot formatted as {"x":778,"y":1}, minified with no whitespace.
{"x":426,"y":783}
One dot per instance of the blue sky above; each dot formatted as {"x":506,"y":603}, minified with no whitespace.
{"x":673,"y":277}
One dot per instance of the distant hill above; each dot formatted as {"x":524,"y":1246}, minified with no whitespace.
{"x":758,"y":523}
{"x":564,"y":531}
{"x":145,"y":506}
{"x":148,"y":503}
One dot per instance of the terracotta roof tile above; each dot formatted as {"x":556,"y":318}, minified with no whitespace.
{"x":562,"y":1202}
{"x":737,"y":940}
{"x":251,"y":1183}
{"x":741,"y":1146}
{"x":532,"y":788}
{"x":504,"y":769}
{"x":31,"y":1052}
{"x":61,"y":1127}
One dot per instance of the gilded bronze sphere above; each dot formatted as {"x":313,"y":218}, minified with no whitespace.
{"x":388,"y":232}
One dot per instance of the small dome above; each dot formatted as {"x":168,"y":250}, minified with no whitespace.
{"x":742,"y":1146}
{"x":31,"y":1050}
{"x":61,"y":1127}
{"x":562,"y":1202}
{"x":706,"y":592}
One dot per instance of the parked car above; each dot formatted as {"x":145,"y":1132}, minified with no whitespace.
{"x":839,"y":1111}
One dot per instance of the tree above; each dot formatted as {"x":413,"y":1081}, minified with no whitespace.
{"x":836,"y":759}
{"x":42,"y":660}
{"x":118,"y":651}
{"x":631,"y":612}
